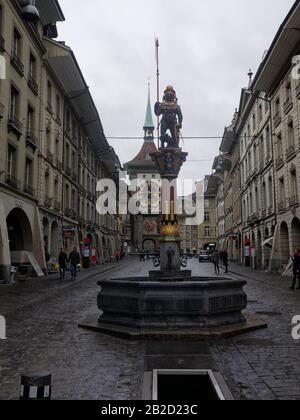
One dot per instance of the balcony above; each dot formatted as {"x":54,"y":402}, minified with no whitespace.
{"x":270,"y":210}
{"x":31,"y":140}
{"x":49,"y":108}
{"x":59,"y":164}
{"x":15,"y":125}
{"x":281,"y":205}
{"x":293,"y":200}
{"x":264,"y":213}
{"x":267,"y":159}
{"x":2,"y":44}
{"x":68,"y":212}
{"x":48,"y":202}
{"x":13,"y":181}
{"x":288,"y":105}
{"x":277,"y":119}
{"x":68,"y":171}
{"x":74,"y":176}
{"x":290,"y":151}
{"x":29,"y":190}
{"x":57,"y":206}
{"x":17,"y":64}
{"x":32,"y":84}
{"x":50,"y":156}
{"x":279,"y":161}
{"x":58,"y":120}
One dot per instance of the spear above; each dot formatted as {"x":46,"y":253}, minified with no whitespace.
{"x":157,"y":77}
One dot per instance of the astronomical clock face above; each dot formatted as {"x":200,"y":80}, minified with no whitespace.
{"x":150,"y":226}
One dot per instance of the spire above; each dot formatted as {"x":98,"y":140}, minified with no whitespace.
{"x":149,"y":125}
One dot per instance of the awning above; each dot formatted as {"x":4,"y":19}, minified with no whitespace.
{"x":269,"y":243}
{"x":67,"y":71}
{"x":50,"y":11}
{"x":284,"y":46}
{"x":228,"y":140}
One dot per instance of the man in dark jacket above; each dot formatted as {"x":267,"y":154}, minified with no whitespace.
{"x":225,"y":259}
{"x":74,"y":260}
{"x":296,"y":269}
{"x":62,"y":262}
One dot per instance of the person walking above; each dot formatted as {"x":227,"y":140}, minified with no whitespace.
{"x":296,"y":269}
{"x":62,"y":262}
{"x":216,"y":261}
{"x":225,"y":261}
{"x":74,"y":260}
{"x":117,"y":255}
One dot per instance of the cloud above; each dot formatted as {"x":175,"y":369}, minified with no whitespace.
{"x":206,"y":51}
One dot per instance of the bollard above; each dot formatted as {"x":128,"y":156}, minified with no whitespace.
{"x":35,"y":387}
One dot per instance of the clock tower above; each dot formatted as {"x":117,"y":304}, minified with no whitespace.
{"x":145,"y":227}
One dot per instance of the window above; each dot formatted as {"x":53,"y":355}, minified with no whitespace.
{"x":268,"y":140}
{"x":68,"y":121}
{"x":279,"y":146}
{"x":32,"y":67}
{"x":260,"y":113}
{"x":1,"y":19}
{"x":288,"y":91}
{"x":270,"y":188}
{"x":282,"y":189}
{"x":207,"y":231}
{"x":58,"y":107}
{"x":67,"y":196}
{"x":28,"y":173}
{"x":294,"y":187}
{"x":206,"y":216}
{"x":56,"y":190}
{"x":11,"y":161}
{"x":14,"y":103}
{"x":16,"y":45}
{"x":264,"y":195}
{"x":254,"y":122}
{"x":30,"y":120}
{"x":73,"y":203}
{"x":49,"y":95}
{"x":277,"y":106}
{"x":291,"y":135}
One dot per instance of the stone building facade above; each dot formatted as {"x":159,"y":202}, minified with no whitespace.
{"x":266,"y":131}
{"x":53,"y":149}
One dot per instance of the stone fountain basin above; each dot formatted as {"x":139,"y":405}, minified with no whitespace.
{"x":182,"y":304}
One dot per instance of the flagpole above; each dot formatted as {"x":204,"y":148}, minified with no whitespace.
{"x":157,"y":77}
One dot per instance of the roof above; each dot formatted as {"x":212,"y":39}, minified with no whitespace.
{"x":143,"y":160}
{"x":149,"y":119}
{"x":66,"y":69}
{"x":283,"y":47}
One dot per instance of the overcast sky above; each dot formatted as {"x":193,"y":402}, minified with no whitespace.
{"x":207,"y":48}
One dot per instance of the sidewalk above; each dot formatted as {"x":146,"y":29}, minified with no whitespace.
{"x":259,"y":275}
{"x":34,"y":290}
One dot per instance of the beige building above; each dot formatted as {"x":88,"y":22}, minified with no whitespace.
{"x":279,"y":79}
{"x":196,"y":238}
{"x":53,"y":149}
{"x":264,"y":158}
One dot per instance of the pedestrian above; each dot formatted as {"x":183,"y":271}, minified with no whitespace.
{"x":74,"y":260}
{"x":296,"y":269}
{"x":62,"y":262}
{"x":225,"y":260}
{"x":216,"y":261}
{"x":117,"y":255}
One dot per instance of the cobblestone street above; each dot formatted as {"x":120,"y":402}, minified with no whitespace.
{"x":42,"y":335}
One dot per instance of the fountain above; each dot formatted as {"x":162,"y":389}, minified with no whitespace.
{"x":170,"y":301}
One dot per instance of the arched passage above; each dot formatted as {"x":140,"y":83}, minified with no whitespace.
{"x":149,"y":245}
{"x":19,"y":231}
{"x":295,"y":233}
{"x":46,"y":237}
{"x":284,"y":243}
{"x":259,"y":249}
